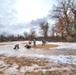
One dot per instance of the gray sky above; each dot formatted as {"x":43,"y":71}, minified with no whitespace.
{"x":17,"y":16}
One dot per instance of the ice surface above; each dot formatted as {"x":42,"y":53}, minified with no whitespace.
{"x":57,"y":54}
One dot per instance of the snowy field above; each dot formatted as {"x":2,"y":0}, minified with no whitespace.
{"x":60,"y":60}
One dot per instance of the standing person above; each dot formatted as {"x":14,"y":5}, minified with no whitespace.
{"x":34,"y":42}
{"x":43,"y":42}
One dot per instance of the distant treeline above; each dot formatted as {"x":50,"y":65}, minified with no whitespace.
{"x":11,"y":38}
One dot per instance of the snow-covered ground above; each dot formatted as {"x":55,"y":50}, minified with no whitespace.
{"x":56,"y":53}
{"x":65,"y":53}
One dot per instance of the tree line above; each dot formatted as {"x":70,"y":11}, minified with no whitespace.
{"x":44,"y":27}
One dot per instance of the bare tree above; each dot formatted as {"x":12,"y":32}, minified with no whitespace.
{"x":26,"y":35}
{"x":44,"y":29}
{"x":64,"y":12}
{"x":32,"y":34}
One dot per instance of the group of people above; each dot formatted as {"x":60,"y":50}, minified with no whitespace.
{"x":28,"y":46}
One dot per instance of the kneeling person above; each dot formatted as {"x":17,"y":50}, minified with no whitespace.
{"x":16,"y":46}
{"x":28,"y":46}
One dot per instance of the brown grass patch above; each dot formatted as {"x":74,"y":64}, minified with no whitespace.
{"x":45,"y":46}
{"x":54,"y":73}
{"x":42,"y":62}
{"x":34,"y":73}
{"x":2,"y":44}
{"x":2,"y":55}
{"x":25,"y":61}
{"x":25,"y":42}
{"x":50,"y":73}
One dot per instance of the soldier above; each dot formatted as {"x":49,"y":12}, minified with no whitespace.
{"x":16,"y":46}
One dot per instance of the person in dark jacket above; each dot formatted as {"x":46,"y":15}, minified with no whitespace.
{"x":28,"y":46}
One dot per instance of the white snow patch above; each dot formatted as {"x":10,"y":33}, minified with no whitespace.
{"x":28,"y":68}
{"x":12,"y":70}
{"x":62,"y":45}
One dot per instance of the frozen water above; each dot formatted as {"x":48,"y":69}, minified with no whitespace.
{"x":57,"y":54}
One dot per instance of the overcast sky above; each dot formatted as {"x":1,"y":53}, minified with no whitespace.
{"x":17,"y":16}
